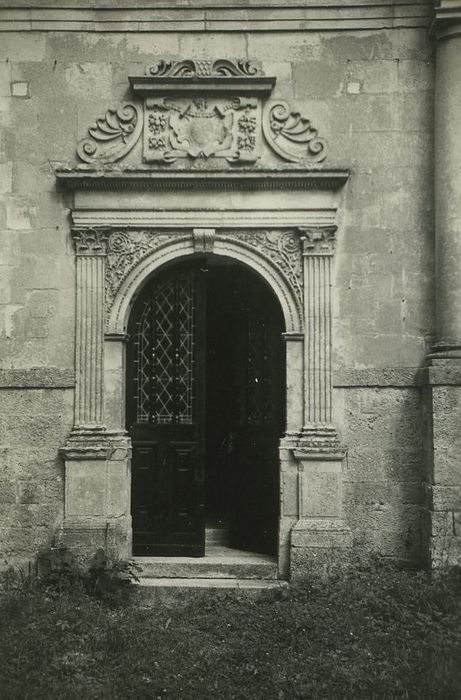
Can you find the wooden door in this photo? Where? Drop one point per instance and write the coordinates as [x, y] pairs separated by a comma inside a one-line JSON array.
[[258, 413], [165, 399]]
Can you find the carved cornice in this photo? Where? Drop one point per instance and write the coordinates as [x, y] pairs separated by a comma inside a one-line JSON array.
[[90, 242], [446, 21], [206, 16], [319, 240], [85, 177], [197, 77]]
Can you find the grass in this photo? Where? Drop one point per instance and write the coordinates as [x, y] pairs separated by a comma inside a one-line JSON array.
[[380, 633]]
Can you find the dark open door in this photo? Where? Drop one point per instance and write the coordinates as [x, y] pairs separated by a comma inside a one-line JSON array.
[[259, 413], [245, 405], [165, 398]]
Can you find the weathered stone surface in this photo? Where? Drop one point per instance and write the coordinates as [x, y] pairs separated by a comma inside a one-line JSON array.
[[370, 93]]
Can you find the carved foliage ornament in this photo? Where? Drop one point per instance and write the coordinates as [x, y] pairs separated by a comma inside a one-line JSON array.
[[112, 136], [318, 241], [211, 123], [202, 68], [291, 135], [89, 242], [125, 249]]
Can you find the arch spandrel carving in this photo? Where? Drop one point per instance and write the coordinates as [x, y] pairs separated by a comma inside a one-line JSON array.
[[132, 256]]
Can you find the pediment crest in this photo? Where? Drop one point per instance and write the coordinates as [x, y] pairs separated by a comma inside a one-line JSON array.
[[193, 111]]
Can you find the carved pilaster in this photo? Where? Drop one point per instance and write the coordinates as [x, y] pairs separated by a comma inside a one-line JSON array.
[[318, 249], [90, 248]]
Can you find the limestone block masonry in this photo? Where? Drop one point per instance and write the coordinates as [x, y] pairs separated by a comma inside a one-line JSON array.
[[317, 145]]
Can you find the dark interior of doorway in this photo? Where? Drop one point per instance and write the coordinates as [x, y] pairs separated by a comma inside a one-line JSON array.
[[244, 407]]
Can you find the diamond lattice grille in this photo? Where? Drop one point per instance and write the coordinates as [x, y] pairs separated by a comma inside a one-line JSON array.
[[164, 352]]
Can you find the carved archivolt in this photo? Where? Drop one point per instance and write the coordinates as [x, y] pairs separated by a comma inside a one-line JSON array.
[[193, 109], [127, 249]]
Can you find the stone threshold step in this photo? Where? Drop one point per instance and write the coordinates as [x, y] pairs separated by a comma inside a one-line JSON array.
[[233, 583], [206, 568]]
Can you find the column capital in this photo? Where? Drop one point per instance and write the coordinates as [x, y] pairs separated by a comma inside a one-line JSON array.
[[318, 240], [446, 21], [90, 241]]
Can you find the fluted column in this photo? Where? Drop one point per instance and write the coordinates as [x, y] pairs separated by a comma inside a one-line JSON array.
[[320, 538], [318, 250], [90, 248]]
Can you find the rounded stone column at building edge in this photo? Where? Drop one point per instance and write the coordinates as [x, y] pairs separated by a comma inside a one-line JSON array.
[[447, 127]]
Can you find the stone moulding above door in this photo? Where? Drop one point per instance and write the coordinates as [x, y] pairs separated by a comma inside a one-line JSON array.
[[188, 111]]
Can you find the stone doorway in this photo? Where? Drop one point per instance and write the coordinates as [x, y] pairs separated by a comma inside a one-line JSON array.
[[205, 410]]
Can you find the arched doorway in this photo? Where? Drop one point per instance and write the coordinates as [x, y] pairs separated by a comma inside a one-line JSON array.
[[205, 408]]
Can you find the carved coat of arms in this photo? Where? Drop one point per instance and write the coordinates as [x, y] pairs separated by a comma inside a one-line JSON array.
[[201, 128]]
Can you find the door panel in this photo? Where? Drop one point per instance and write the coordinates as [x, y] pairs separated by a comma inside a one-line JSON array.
[[165, 393], [258, 417]]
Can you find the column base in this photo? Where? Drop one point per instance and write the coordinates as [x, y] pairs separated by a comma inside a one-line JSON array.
[[319, 546], [444, 487], [320, 541], [97, 486]]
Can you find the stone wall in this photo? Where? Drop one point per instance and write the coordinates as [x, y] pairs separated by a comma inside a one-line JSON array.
[[33, 424], [369, 92], [385, 497]]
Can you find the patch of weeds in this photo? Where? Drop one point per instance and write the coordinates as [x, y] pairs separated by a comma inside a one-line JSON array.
[[373, 632]]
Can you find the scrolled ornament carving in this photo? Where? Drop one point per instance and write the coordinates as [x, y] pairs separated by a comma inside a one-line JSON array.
[[283, 249], [90, 242], [291, 135], [112, 136], [318, 240], [124, 251], [203, 69]]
